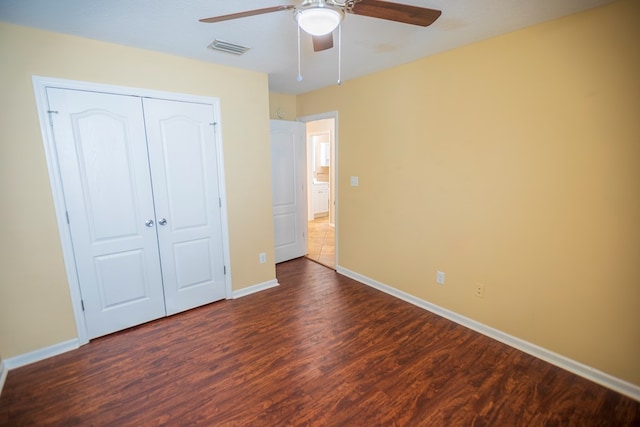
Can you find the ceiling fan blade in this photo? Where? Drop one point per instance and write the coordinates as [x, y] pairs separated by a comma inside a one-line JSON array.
[[248, 13], [404, 13], [321, 43]]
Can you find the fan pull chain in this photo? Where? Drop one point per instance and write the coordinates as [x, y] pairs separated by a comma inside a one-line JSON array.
[[339, 54], [299, 78]]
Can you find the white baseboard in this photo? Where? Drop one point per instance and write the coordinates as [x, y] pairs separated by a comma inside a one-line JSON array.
[[592, 374], [41, 354], [3, 375], [63, 347], [255, 288]]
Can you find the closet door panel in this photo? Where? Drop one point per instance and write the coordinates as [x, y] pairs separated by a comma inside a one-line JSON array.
[[102, 154], [184, 169]]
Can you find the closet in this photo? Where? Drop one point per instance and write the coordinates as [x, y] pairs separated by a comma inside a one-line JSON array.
[[143, 207]]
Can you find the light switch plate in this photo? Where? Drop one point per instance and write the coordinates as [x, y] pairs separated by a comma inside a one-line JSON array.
[[354, 181]]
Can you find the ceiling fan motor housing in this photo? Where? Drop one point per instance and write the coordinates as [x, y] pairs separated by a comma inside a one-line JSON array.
[[318, 17]]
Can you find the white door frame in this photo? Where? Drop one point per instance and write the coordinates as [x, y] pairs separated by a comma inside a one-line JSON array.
[[40, 85], [330, 115]]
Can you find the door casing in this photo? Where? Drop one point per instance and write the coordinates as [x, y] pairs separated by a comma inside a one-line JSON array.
[[40, 84], [334, 170]]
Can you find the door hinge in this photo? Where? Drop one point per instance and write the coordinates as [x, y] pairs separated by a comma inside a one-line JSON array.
[[224, 270], [66, 213], [219, 202], [50, 112], [82, 304]]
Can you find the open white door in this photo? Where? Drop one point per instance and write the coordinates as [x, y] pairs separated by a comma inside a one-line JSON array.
[[288, 160]]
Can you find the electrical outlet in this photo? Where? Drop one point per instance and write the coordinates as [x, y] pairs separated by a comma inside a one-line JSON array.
[[440, 277], [479, 290], [263, 257]]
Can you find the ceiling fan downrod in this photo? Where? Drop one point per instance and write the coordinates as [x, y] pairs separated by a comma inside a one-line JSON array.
[[339, 54], [299, 78]]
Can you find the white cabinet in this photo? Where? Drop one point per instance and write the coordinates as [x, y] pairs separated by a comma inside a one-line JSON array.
[[320, 200]]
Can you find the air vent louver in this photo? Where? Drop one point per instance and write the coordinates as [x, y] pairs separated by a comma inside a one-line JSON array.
[[224, 46]]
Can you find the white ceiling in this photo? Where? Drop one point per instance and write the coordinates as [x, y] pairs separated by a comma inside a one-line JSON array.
[[368, 44]]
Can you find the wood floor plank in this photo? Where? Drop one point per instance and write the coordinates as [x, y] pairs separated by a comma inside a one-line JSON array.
[[319, 350]]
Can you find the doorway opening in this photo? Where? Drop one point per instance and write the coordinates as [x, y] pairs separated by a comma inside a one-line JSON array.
[[321, 179]]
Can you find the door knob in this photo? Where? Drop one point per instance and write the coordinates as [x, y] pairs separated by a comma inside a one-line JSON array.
[[149, 223], [163, 221]]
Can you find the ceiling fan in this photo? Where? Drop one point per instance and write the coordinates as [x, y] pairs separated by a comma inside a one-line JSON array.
[[320, 17]]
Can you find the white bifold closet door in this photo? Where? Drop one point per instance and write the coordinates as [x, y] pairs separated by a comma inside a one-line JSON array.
[[140, 184]]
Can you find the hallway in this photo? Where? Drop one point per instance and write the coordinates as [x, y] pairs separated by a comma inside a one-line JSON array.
[[321, 245]]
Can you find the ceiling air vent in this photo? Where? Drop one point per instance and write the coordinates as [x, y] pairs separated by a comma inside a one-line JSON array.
[[224, 46]]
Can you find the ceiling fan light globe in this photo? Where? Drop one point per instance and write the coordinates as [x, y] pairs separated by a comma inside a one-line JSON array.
[[318, 21]]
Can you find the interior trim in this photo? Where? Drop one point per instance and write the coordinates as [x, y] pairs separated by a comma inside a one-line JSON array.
[[333, 186], [63, 347], [40, 85], [255, 288], [41, 354], [3, 376], [616, 384]]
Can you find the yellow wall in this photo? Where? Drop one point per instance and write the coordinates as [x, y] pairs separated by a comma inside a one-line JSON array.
[[281, 106], [35, 309], [513, 162]]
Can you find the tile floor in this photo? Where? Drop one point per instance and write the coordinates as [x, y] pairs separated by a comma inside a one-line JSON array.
[[321, 242]]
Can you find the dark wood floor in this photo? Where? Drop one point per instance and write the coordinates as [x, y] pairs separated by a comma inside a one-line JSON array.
[[319, 350]]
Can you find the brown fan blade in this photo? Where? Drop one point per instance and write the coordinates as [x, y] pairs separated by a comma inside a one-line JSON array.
[[321, 43], [396, 12], [248, 13]]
